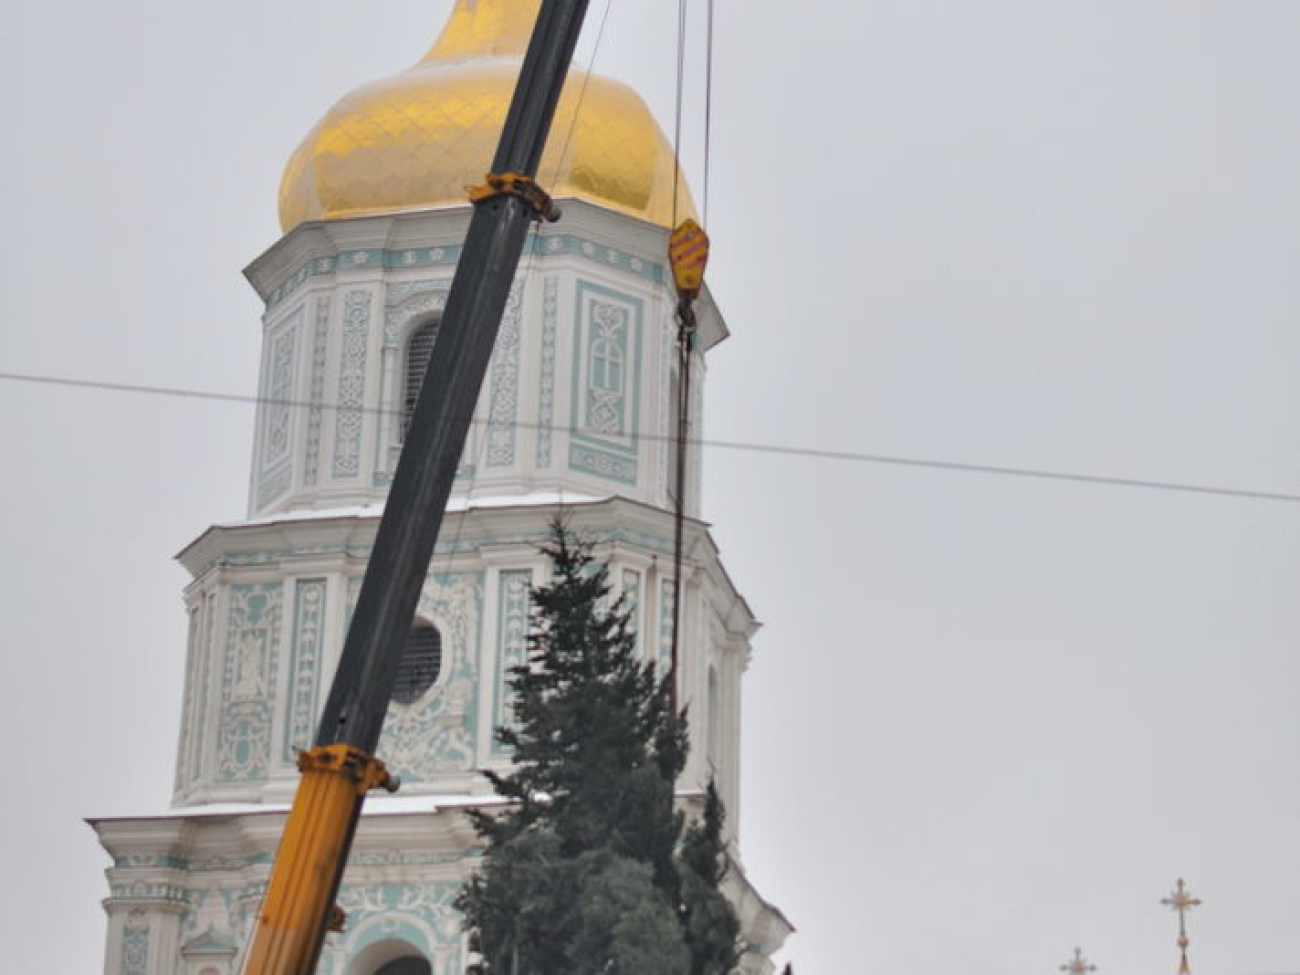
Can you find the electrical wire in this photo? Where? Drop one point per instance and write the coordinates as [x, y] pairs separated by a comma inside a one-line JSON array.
[[712, 443]]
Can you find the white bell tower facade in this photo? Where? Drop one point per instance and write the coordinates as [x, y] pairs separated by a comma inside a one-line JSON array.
[[576, 417]]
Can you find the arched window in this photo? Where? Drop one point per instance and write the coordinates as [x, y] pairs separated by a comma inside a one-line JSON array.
[[419, 349], [420, 665], [607, 366], [406, 966]]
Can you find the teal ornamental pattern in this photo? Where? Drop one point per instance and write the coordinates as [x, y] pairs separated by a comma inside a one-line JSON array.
[[276, 460], [422, 915], [304, 666], [248, 681], [546, 386], [135, 947], [514, 587], [438, 733], [503, 403], [606, 384], [352, 384], [316, 395]]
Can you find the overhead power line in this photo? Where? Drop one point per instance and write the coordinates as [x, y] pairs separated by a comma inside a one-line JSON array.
[[747, 446]]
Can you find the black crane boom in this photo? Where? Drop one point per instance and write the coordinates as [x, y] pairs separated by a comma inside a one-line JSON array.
[[341, 767]]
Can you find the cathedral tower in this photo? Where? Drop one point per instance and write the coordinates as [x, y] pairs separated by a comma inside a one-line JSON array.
[[576, 412]]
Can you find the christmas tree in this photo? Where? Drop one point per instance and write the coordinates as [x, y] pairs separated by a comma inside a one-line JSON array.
[[591, 867]]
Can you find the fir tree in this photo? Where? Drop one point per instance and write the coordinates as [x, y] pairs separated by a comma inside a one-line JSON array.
[[711, 929], [582, 874]]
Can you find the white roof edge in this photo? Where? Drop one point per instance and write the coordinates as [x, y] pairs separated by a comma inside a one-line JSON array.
[[535, 499], [375, 806]]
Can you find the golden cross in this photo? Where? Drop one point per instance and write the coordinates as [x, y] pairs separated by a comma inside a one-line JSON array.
[[1078, 965], [1182, 901]]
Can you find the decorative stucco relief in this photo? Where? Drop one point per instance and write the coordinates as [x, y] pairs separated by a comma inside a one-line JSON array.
[[304, 666], [504, 386], [248, 681], [607, 384], [352, 384], [421, 914], [316, 396], [276, 461], [513, 612], [436, 734], [546, 386], [135, 945], [667, 599]]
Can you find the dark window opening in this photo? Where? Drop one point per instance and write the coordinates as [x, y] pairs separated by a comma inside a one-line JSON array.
[[421, 662], [419, 350], [406, 966]]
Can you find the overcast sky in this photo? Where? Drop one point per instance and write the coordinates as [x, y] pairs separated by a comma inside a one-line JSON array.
[[989, 718]]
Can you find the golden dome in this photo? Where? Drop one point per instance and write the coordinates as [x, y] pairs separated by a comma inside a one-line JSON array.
[[420, 138]]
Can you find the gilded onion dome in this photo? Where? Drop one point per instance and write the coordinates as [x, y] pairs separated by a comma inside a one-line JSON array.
[[419, 138]]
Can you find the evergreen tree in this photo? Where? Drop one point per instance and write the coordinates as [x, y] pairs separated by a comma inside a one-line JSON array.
[[711, 929], [582, 874]]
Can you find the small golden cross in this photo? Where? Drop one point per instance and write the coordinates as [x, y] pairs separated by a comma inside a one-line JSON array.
[[1078, 965], [1182, 901]]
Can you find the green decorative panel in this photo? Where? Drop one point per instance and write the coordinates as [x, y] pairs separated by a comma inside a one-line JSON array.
[[606, 384], [327, 266], [306, 658], [546, 385], [248, 681], [316, 393], [513, 605], [275, 460], [604, 255], [350, 416], [503, 402], [446, 257], [135, 947], [667, 598]]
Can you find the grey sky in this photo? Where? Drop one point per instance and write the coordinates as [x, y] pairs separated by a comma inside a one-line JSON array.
[[988, 718]]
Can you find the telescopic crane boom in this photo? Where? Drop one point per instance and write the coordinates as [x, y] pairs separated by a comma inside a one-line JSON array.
[[341, 767]]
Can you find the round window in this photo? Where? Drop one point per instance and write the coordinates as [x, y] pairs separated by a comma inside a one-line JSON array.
[[420, 665], [406, 966]]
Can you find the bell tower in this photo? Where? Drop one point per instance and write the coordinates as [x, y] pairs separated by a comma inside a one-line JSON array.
[[575, 412]]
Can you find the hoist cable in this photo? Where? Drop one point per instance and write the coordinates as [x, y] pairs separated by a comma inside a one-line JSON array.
[[682, 431], [708, 107], [677, 107], [577, 108], [683, 434]]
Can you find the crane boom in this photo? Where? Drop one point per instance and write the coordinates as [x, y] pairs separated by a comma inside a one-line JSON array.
[[341, 767]]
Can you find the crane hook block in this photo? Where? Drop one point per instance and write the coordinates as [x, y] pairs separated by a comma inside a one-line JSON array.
[[688, 253], [516, 184]]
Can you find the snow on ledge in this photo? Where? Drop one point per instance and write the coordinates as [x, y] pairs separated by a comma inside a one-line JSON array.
[[427, 805], [455, 505], [374, 806]]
